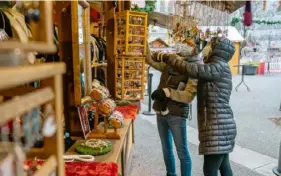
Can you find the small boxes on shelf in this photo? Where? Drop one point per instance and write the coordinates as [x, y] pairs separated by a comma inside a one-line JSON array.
[[129, 77], [131, 33]]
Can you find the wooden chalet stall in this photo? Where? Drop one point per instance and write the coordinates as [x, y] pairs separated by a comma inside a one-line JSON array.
[[83, 28]]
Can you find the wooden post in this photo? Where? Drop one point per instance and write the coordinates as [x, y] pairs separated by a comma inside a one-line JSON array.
[[110, 46], [87, 63]]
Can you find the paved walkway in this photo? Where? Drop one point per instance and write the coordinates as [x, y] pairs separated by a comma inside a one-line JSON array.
[[147, 153], [257, 141]]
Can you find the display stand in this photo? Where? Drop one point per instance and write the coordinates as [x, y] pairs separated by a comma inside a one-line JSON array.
[[103, 133], [122, 150], [51, 74], [131, 37], [129, 77], [131, 33]]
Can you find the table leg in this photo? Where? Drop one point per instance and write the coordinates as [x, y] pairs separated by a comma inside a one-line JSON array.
[[242, 81]]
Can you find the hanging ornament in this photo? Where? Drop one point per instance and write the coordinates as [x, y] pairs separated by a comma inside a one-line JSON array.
[[248, 14], [279, 7], [49, 126], [264, 5]]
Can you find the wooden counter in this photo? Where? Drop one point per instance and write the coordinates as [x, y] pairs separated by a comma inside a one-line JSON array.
[[122, 149]]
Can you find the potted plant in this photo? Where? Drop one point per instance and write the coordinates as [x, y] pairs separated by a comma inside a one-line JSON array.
[[251, 68]]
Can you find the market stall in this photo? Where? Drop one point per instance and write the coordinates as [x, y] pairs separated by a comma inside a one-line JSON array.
[[41, 115], [31, 92], [93, 114], [94, 104]]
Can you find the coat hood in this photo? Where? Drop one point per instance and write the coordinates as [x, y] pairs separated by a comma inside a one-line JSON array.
[[222, 50]]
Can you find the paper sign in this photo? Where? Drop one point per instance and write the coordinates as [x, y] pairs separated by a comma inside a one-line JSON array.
[[84, 120]]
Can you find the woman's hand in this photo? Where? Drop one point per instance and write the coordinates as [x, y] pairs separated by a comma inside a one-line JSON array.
[[159, 56]]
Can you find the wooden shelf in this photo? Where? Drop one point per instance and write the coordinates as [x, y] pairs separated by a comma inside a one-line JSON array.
[[24, 103], [127, 80], [99, 65], [31, 46], [133, 35], [13, 76], [137, 25], [137, 45]]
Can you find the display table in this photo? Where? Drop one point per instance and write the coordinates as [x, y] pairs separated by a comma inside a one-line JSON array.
[[122, 149], [242, 78]]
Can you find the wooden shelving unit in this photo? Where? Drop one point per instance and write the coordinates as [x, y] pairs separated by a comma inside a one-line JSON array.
[[131, 33], [51, 92], [131, 37], [129, 77]]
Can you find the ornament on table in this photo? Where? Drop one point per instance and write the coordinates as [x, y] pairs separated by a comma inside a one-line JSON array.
[[94, 147], [116, 119], [99, 93], [106, 106]]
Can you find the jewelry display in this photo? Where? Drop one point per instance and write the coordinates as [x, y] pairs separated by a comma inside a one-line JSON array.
[[131, 42], [94, 147], [129, 77]]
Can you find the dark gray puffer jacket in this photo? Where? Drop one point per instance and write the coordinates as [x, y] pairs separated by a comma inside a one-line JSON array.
[[216, 125]]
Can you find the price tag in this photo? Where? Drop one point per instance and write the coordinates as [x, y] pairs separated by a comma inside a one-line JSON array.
[[84, 120]]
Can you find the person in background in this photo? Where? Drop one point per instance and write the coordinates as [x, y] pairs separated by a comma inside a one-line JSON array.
[[216, 124], [175, 92]]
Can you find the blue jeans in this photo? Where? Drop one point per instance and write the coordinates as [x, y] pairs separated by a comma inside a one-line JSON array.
[[170, 127]]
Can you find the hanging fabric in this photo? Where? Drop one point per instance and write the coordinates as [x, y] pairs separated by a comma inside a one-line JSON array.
[[94, 50], [264, 5], [5, 27], [248, 14], [19, 28]]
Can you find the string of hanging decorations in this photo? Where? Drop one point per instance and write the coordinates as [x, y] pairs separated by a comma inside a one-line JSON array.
[[236, 20], [150, 6], [185, 24]]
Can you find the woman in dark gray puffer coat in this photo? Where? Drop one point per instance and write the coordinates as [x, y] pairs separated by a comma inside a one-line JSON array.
[[216, 124]]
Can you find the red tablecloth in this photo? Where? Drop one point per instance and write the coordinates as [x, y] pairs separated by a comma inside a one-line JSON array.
[[91, 169], [86, 169], [129, 111]]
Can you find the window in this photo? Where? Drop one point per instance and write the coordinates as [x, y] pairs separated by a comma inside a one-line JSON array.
[[162, 8], [171, 6]]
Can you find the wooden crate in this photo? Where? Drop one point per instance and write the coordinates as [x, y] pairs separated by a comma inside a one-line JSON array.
[[131, 33], [129, 77]]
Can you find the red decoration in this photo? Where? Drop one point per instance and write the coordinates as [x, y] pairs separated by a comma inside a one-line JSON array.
[[91, 169], [94, 15], [84, 168], [248, 18], [129, 111]]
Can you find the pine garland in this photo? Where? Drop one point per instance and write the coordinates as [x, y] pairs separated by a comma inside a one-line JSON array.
[[236, 20], [149, 6]]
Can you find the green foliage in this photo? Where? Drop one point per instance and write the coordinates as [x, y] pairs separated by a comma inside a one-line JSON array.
[[254, 64], [149, 6], [236, 20]]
